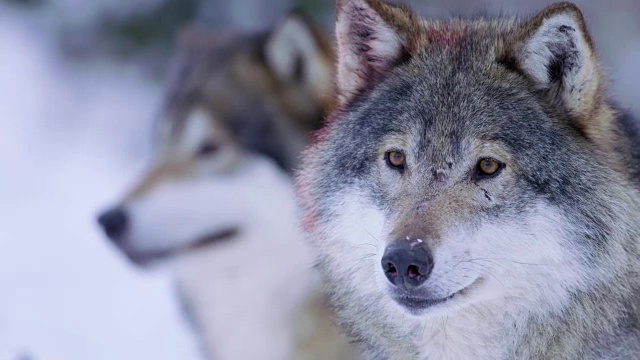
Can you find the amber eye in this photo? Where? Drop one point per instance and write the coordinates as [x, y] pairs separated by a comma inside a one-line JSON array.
[[396, 159], [489, 166]]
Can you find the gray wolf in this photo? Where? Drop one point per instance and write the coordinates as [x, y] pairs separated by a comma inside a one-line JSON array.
[[475, 195], [218, 202]]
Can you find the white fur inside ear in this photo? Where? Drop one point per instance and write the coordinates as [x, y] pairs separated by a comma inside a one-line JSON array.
[[559, 38], [197, 128], [559, 48], [293, 41], [365, 44]]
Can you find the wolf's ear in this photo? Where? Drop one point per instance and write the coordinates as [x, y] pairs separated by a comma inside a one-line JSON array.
[[372, 38], [296, 51], [557, 54]]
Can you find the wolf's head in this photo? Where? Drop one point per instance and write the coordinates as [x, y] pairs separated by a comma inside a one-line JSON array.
[[232, 124], [469, 162]]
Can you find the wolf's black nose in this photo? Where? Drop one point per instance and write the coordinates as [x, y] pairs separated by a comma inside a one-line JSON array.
[[407, 262], [114, 222]]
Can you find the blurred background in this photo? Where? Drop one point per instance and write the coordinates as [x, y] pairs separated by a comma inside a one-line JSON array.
[[80, 82]]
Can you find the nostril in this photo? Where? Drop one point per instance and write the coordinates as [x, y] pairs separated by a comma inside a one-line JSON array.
[[413, 271], [114, 223], [391, 270]]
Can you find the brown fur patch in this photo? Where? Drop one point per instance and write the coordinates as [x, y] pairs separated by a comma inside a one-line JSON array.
[[444, 36], [157, 176]]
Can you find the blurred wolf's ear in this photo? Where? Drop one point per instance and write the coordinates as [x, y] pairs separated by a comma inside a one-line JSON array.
[[296, 51], [556, 52], [372, 38]]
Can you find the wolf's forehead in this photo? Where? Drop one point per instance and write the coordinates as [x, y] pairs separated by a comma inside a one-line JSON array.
[[444, 112], [465, 42], [215, 48], [451, 33], [200, 60], [202, 78]]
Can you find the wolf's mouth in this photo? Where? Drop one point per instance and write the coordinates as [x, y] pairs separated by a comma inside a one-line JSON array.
[[417, 305], [144, 258], [216, 237]]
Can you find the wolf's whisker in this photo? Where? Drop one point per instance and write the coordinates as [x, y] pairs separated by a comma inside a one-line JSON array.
[[370, 234], [483, 270], [509, 260]]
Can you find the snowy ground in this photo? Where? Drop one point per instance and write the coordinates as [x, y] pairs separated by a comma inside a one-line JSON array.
[[71, 138]]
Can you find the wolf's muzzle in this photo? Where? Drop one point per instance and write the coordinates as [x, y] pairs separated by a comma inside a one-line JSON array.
[[407, 263]]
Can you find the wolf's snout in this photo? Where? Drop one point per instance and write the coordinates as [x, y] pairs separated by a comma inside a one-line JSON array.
[[114, 222], [407, 262]]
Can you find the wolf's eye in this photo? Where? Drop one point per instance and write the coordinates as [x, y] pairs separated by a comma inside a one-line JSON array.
[[396, 159], [206, 149], [489, 167]]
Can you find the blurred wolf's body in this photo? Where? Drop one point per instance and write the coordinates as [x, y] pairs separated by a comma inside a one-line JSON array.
[[476, 193], [219, 199]]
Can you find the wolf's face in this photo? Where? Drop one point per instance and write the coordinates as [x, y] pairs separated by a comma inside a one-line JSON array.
[[443, 200], [232, 124], [466, 165]]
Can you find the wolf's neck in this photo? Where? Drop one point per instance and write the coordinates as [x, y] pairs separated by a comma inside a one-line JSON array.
[[242, 296], [241, 293], [500, 331]]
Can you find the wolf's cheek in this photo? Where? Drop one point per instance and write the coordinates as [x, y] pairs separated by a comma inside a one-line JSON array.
[[351, 241], [179, 214], [518, 258]]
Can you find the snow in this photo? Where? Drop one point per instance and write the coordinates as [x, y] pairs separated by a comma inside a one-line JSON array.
[[72, 137]]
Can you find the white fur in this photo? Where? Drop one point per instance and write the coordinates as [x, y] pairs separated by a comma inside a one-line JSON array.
[[198, 127], [243, 292], [511, 262], [177, 212]]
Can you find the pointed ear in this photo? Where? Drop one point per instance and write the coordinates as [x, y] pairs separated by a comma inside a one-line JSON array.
[[372, 38], [296, 51], [557, 54]]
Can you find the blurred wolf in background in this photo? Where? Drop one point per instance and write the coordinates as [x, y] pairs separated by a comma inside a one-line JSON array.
[[476, 193], [219, 198]]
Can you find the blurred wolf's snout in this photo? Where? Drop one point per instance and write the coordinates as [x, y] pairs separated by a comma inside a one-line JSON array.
[[407, 263], [114, 222]]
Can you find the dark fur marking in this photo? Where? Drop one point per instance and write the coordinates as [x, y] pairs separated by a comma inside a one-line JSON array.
[[555, 69], [298, 69], [487, 195], [566, 56], [508, 62]]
